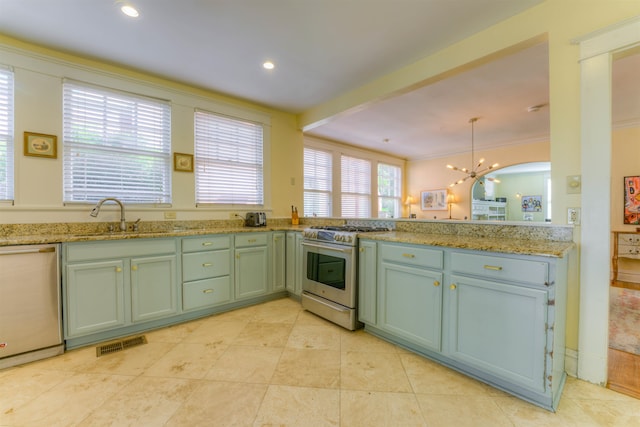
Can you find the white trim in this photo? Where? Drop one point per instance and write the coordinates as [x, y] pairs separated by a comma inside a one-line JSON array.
[[596, 55], [571, 362]]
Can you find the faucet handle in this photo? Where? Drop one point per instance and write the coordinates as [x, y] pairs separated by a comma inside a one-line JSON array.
[[134, 226]]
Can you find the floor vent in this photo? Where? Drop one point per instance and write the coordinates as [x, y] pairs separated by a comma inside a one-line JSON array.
[[115, 346]]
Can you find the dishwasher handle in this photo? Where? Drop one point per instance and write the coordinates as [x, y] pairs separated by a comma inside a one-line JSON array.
[[29, 251]]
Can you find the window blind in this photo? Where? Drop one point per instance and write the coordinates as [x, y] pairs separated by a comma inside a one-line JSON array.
[[356, 187], [228, 160], [389, 191], [116, 144], [317, 182], [6, 134]]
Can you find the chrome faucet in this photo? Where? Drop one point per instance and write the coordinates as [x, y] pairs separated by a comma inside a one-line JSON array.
[[96, 210]]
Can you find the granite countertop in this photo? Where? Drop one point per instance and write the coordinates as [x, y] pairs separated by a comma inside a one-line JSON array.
[[510, 246]]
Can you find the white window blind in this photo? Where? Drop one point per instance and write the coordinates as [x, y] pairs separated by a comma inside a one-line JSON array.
[[6, 134], [116, 144], [389, 191], [317, 182], [228, 160], [356, 187]]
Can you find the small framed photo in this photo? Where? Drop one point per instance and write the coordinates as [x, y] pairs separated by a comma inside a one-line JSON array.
[[182, 162], [434, 200], [40, 145]]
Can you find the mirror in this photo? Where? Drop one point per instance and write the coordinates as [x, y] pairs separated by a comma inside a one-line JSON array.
[[523, 194]]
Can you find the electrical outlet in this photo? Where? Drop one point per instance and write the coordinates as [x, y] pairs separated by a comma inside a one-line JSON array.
[[573, 216], [235, 215]]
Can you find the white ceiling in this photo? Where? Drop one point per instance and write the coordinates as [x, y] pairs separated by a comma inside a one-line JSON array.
[[321, 48]]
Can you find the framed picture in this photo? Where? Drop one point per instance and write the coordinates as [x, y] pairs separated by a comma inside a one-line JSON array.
[[531, 203], [183, 162], [40, 145], [632, 199], [434, 200]]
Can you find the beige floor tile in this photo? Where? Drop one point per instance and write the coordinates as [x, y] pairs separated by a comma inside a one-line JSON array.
[[68, 403], [76, 360], [20, 385], [299, 406], [524, 414], [370, 409], [308, 368], [362, 341], [576, 389], [216, 332], [319, 337], [174, 334], [132, 361], [279, 311], [373, 372], [612, 413], [462, 411], [264, 334], [306, 318], [246, 364], [428, 377], [220, 404], [241, 315], [186, 360], [143, 402]]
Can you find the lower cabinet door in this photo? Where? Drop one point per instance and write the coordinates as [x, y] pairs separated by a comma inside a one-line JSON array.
[[153, 287], [251, 272], [410, 304], [499, 328], [94, 297]]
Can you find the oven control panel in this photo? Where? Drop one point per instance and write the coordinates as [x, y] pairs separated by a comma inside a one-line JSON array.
[[345, 238]]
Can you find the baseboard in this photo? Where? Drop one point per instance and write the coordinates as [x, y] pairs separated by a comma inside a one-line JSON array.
[[571, 362]]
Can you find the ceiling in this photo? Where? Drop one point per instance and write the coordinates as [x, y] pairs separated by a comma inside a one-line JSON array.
[[321, 49]]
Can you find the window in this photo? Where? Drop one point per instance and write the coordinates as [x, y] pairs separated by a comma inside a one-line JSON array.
[[229, 164], [356, 187], [389, 191], [116, 144], [6, 134], [317, 182]]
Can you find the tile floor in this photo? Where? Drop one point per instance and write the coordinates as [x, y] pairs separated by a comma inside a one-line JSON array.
[[274, 364]]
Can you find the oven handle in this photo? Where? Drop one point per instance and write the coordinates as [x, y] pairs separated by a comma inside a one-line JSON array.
[[331, 248]]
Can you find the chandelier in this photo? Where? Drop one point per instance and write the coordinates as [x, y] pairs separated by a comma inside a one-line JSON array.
[[475, 172]]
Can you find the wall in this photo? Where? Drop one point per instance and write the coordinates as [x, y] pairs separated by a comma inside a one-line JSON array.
[[433, 174], [38, 108], [525, 184]]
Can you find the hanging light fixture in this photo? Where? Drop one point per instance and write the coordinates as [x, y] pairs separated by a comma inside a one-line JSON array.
[[473, 173]]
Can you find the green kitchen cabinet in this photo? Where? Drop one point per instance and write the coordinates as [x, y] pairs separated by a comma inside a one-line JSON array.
[[294, 263], [153, 287], [278, 260], [251, 265], [367, 281], [95, 297]]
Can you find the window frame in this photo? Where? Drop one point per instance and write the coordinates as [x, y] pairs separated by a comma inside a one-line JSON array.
[[7, 149]]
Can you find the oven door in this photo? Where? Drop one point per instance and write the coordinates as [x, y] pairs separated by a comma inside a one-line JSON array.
[[329, 271]]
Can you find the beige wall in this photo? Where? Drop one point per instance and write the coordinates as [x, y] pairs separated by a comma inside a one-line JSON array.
[[38, 108]]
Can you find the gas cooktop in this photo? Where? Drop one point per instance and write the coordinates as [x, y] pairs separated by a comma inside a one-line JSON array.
[[350, 228]]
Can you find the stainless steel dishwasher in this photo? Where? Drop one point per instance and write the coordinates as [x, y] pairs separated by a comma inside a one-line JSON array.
[[30, 309]]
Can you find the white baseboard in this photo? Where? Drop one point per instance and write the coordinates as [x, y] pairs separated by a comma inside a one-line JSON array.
[[571, 362]]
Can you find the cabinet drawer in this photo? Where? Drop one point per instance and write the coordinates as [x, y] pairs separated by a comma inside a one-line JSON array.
[[412, 255], [629, 251], [203, 293], [118, 249], [201, 265], [251, 239], [629, 239], [505, 269], [206, 243]]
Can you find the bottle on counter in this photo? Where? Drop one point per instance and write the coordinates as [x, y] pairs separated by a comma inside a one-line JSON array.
[[295, 219]]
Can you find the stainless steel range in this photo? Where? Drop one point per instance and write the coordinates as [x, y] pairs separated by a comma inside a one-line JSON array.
[[329, 284]]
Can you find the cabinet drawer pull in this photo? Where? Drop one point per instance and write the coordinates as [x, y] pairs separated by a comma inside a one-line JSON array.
[[493, 267], [134, 268], [207, 291], [118, 269], [252, 240], [408, 255], [436, 283], [207, 243], [361, 249], [207, 264], [452, 287]]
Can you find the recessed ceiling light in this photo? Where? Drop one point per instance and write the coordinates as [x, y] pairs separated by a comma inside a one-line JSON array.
[[129, 10], [268, 65]]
